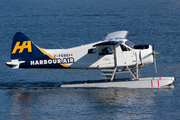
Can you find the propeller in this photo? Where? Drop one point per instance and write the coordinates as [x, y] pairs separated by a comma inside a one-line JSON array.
[[154, 53]]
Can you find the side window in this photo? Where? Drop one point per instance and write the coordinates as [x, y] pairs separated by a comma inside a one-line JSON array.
[[93, 50], [106, 51]]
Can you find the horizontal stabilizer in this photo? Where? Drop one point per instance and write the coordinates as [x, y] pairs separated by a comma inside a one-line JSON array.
[[14, 63]]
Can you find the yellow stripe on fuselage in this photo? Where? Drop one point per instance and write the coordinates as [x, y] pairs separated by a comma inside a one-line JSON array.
[[46, 53], [65, 65]]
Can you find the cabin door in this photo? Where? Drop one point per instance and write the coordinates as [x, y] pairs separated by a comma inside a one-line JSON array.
[[106, 57]]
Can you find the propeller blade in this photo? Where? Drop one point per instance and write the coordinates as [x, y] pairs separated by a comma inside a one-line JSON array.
[[153, 45], [155, 67], [154, 53]]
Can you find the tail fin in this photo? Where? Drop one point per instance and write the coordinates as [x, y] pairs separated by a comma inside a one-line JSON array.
[[23, 48]]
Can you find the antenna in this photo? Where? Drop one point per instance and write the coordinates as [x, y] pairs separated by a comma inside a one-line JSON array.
[[105, 36], [60, 46]]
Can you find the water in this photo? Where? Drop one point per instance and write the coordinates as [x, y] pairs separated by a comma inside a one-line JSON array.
[[34, 93]]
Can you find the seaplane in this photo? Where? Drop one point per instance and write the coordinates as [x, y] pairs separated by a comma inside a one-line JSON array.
[[112, 55]]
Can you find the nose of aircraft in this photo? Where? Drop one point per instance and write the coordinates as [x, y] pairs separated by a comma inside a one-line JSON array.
[[147, 56]]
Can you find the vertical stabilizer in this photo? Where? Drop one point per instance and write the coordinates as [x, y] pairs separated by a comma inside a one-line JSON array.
[[23, 48]]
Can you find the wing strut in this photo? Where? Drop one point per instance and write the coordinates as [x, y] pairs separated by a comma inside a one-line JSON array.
[[112, 78], [137, 69], [115, 63]]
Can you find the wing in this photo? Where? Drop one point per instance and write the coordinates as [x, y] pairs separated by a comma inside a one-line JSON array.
[[106, 43], [115, 35]]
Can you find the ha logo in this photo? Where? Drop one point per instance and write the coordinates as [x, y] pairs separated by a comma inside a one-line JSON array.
[[25, 45]]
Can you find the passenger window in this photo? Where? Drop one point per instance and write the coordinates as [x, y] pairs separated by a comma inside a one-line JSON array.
[[106, 51], [90, 51]]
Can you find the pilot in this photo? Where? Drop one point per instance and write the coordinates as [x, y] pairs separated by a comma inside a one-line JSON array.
[[105, 51]]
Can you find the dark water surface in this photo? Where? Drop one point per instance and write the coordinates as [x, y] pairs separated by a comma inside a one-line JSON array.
[[34, 93]]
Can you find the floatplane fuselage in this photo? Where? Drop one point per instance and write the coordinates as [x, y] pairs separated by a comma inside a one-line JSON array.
[[115, 53]]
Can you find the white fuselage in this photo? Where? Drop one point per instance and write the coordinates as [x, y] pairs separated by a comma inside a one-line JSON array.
[[81, 59]]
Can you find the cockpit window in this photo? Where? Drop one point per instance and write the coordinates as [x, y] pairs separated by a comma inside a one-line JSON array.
[[130, 44], [106, 51], [124, 48]]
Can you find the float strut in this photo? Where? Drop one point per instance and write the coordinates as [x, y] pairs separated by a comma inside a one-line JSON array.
[[113, 73]]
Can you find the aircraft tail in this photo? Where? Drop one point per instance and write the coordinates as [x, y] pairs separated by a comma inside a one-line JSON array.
[[22, 49]]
